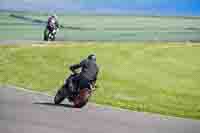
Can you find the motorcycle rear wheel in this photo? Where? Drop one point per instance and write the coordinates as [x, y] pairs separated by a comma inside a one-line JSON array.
[[81, 104], [51, 37], [82, 99]]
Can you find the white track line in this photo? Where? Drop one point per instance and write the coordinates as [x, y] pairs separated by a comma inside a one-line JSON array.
[[48, 95], [27, 90], [97, 105]]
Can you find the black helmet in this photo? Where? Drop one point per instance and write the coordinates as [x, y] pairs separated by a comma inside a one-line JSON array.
[[55, 16], [92, 57]]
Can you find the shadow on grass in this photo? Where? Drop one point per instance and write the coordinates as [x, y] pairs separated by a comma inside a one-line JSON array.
[[57, 105], [28, 19], [41, 22]]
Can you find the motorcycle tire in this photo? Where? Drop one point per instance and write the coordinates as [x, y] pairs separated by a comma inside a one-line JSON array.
[[59, 97], [51, 36], [81, 104], [82, 99]]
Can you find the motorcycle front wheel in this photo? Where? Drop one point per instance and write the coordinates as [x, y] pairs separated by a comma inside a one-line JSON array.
[[60, 96]]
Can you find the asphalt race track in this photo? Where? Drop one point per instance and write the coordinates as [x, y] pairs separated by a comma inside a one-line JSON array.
[[26, 112]]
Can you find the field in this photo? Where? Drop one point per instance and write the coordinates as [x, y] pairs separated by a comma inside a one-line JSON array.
[[101, 28], [158, 77]]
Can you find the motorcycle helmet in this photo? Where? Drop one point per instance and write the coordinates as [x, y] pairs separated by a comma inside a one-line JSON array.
[[55, 16], [92, 57]]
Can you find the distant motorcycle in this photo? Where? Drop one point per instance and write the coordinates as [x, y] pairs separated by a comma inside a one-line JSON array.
[[50, 31], [78, 99]]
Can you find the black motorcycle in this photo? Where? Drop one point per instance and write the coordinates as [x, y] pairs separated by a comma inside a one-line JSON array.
[[78, 99]]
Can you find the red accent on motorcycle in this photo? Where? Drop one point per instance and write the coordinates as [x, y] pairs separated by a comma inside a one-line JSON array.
[[83, 97]]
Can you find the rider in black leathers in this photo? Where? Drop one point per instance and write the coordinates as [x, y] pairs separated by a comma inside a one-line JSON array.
[[87, 76]]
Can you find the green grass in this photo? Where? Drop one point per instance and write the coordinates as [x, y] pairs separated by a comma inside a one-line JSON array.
[[99, 28], [159, 78]]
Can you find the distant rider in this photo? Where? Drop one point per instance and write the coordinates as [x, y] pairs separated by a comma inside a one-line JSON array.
[[52, 25], [87, 76]]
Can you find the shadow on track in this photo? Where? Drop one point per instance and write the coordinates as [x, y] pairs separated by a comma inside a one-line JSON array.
[[52, 104]]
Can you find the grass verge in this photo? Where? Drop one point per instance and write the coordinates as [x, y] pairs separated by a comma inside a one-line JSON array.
[[158, 78]]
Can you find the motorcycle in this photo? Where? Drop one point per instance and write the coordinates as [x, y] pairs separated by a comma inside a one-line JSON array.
[[50, 31], [79, 99]]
